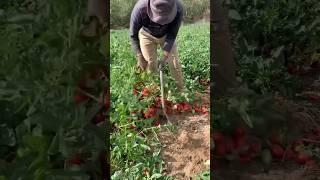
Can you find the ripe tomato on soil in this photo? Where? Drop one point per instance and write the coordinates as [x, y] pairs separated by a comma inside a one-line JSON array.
[[275, 139], [240, 143], [239, 132], [229, 145], [178, 107], [135, 91], [289, 154], [150, 113], [313, 98], [218, 137], [220, 149], [168, 110], [145, 92], [186, 106], [302, 158], [277, 151], [156, 123], [75, 160]]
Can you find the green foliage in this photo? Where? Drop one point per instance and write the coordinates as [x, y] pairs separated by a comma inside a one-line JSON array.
[[203, 176], [43, 57], [268, 34]]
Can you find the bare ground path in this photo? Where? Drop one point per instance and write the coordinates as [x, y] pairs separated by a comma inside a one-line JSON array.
[[186, 150]]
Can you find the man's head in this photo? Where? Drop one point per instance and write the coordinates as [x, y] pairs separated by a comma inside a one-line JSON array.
[[162, 11]]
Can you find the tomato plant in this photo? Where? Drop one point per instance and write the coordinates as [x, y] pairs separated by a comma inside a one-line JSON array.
[[49, 101]]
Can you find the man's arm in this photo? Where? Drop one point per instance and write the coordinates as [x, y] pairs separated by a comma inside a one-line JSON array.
[[173, 31], [135, 26]]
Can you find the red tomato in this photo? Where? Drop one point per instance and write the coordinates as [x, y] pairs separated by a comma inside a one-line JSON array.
[[255, 147], [313, 98], [277, 151], [178, 107], [157, 123], [217, 137], [187, 107], [157, 104], [77, 160], [220, 150], [239, 132], [135, 91], [167, 103], [229, 145], [302, 158], [168, 110], [239, 142], [151, 112], [197, 109], [79, 97], [204, 110], [275, 139], [145, 92], [290, 154]]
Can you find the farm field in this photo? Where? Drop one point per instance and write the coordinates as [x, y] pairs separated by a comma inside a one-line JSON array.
[[142, 145]]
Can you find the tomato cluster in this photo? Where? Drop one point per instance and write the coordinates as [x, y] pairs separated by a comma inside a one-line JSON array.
[[85, 86], [155, 107], [242, 147], [237, 146]]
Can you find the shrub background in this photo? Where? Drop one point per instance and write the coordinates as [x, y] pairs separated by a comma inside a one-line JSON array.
[[120, 11]]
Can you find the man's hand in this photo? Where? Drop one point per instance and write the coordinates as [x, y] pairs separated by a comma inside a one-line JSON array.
[[165, 55], [141, 62]]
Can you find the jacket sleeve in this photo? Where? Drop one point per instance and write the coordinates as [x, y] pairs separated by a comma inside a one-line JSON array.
[[135, 26], [173, 30]]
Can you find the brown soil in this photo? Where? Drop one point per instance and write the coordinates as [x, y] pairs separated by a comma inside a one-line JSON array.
[[186, 150]]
